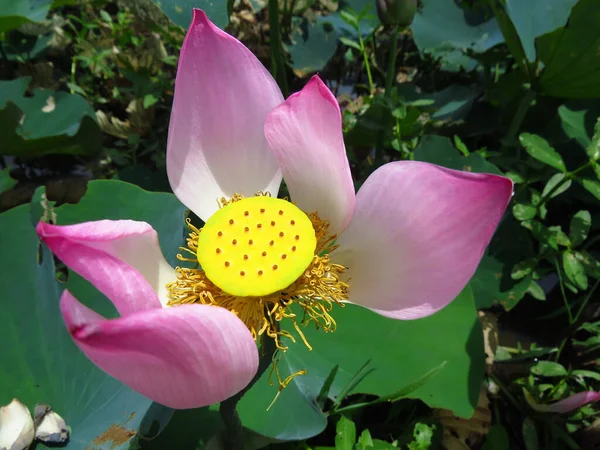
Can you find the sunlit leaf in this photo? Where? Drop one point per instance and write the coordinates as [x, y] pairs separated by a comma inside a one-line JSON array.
[[538, 148]]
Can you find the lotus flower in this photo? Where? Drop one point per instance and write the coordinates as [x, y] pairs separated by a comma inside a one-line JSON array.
[[404, 246]]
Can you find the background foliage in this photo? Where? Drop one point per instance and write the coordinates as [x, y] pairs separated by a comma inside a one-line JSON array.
[[498, 86]]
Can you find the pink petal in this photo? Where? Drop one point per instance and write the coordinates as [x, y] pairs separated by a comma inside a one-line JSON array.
[[182, 357], [216, 144], [121, 258], [567, 405], [417, 236], [305, 133]]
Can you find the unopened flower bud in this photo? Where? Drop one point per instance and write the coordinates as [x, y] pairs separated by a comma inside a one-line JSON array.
[[396, 12], [16, 426]]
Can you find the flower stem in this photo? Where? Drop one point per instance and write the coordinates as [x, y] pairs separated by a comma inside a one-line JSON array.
[[519, 116], [391, 72], [234, 440], [277, 57], [365, 55]]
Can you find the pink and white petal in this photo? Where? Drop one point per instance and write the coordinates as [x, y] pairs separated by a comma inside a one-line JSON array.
[[216, 145], [305, 133], [417, 236], [121, 258], [569, 404], [182, 357]]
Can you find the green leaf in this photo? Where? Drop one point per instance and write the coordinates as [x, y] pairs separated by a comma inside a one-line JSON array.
[[586, 374], [536, 291], [312, 47], [105, 16], [569, 54], [14, 13], [536, 17], [445, 30], [574, 270], [382, 445], [592, 186], [425, 102], [452, 335], [187, 429], [593, 150], [364, 440], [559, 236], [496, 439], [345, 434], [541, 233], [350, 43], [460, 146], [439, 150], [180, 11], [590, 264], [149, 100], [492, 282], [538, 148], [46, 123], [530, 436], [423, 434], [348, 24], [400, 112], [556, 185], [324, 392], [6, 182], [574, 124], [580, 227], [511, 35], [549, 369], [522, 269], [524, 212], [348, 17]]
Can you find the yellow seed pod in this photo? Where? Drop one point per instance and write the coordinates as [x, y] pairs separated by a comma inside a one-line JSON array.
[[256, 246]]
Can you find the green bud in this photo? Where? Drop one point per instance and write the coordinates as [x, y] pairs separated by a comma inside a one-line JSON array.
[[396, 12]]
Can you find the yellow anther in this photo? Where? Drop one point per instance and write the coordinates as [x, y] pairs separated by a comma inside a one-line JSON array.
[[241, 269]]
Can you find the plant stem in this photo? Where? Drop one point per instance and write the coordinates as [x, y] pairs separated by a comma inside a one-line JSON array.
[[2, 51], [235, 432], [519, 116], [391, 71], [505, 390], [564, 294], [568, 177], [277, 58], [363, 50], [576, 318], [585, 301]]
